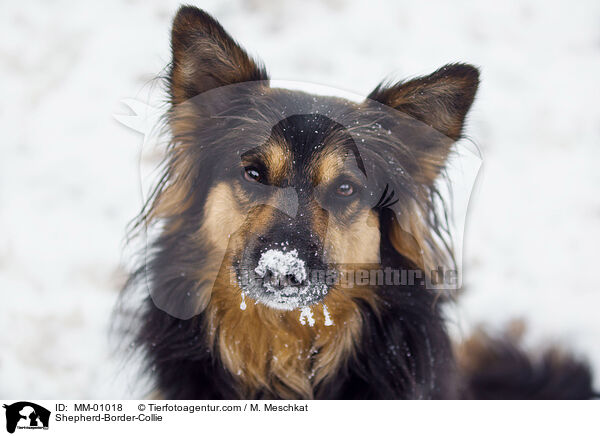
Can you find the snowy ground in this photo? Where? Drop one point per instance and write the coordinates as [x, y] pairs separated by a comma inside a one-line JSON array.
[[69, 173]]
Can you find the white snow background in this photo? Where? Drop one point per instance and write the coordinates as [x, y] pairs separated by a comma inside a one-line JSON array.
[[69, 172]]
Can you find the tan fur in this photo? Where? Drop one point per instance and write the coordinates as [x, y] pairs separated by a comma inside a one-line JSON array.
[[278, 161], [357, 243], [328, 165], [223, 216]]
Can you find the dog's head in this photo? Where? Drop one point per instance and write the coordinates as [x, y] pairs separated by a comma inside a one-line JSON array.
[[278, 190]]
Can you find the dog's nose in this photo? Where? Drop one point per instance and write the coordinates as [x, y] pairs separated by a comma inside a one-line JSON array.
[[281, 282], [282, 271]]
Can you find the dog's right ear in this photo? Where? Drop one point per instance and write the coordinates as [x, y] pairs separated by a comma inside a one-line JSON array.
[[206, 57]]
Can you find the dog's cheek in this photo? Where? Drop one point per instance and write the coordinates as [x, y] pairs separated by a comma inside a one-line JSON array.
[[357, 243], [223, 217]]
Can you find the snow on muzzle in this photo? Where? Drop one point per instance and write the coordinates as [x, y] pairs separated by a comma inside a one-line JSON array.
[[286, 282]]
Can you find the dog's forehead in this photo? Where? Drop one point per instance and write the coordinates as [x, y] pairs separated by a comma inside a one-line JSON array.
[[311, 147]]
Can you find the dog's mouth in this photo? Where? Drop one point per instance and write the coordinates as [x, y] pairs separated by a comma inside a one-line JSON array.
[[281, 280]]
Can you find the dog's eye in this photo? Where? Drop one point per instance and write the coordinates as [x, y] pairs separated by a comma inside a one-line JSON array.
[[345, 190], [252, 174]]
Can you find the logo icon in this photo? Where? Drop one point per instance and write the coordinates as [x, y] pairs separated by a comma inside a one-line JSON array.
[[26, 415]]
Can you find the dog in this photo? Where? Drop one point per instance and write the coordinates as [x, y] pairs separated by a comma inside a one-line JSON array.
[[272, 205]]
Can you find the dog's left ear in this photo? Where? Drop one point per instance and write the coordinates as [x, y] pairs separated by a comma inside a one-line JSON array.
[[440, 100], [437, 105]]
